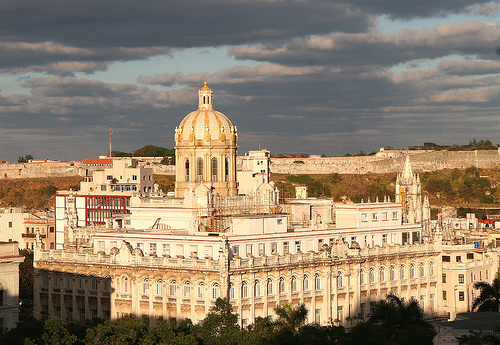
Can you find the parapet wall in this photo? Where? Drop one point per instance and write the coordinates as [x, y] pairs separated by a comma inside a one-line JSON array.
[[427, 161]]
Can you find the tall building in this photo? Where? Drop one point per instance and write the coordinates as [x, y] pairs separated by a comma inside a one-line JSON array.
[[173, 256], [9, 284]]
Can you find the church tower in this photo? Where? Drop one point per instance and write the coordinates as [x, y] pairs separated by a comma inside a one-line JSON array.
[[409, 194], [205, 150]]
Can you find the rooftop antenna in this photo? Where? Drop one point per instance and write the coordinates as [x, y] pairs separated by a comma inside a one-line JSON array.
[[110, 138]]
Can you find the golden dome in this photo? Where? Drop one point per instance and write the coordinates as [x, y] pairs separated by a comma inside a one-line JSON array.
[[205, 125]]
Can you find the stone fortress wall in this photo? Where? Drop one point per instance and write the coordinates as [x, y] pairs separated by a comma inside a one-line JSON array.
[[426, 161]]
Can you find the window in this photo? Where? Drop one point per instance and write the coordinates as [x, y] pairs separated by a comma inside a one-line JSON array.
[[384, 238], [186, 167], [244, 290], [364, 217], [306, 283], [145, 287], [297, 246], [93, 283], [186, 292], [279, 221], [382, 274], [461, 296], [372, 275], [109, 177], [269, 287], [199, 290], [402, 274], [172, 288], [385, 216], [215, 291], [444, 295], [444, 277], [199, 170], [166, 249], [412, 271], [158, 288], [125, 285], [470, 256], [236, 250], [274, 248], [152, 249], [392, 273], [458, 258], [293, 284], [446, 258], [256, 290], [394, 215], [134, 177], [374, 216], [103, 188], [10, 224], [262, 249], [340, 280], [249, 249], [362, 277], [422, 269], [282, 287], [460, 278], [214, 169], [431, 269], [286, 248], [231, 291], [317, 282]]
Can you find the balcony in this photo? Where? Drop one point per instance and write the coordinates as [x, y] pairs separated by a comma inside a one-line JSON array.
[[33, 236]]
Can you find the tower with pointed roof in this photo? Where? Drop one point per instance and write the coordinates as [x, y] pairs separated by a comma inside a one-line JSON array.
[[409, 194], [205, 150]]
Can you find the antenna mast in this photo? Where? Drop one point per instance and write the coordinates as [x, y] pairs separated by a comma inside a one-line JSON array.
[[110, 137]]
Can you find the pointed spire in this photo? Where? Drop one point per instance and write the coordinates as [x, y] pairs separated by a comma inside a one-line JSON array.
[[407, 171]]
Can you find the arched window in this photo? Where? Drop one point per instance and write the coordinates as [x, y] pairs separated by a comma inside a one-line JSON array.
[[199, 170], [317, 282], [145, 286], [431, 269], [392, 273], [293, 285], [422, 269], [402, 272], [158, 287], [340, 280], [125, 284], [186, 165], [215, 291], [214, 169], [256, 290], [172, 288], [186, 292], [306, 283], [231, 291], [226, 169], [362, 276], [282, 286], [270, 287], [382, 274], [200, 289], [244, 290], [412, 271], [372, 275]]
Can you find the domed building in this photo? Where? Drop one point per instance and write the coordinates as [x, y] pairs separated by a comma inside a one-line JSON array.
[[205, 150]]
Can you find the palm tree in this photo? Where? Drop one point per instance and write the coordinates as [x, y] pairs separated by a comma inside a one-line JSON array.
[[394, 314], [291, 317], [489, 298]]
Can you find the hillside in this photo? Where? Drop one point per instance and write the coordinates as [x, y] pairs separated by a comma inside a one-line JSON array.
[[473, 188]]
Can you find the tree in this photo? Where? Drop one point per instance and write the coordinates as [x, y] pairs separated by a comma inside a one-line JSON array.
[[24, 159], [291, 317], [54, 333], [220, 326], [128, 331], [396, 315], [489, 297]]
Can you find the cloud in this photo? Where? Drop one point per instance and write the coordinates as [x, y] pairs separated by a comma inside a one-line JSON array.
[[379, 49]]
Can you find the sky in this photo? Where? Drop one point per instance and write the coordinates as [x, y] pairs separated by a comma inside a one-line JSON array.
[[320, 77]]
